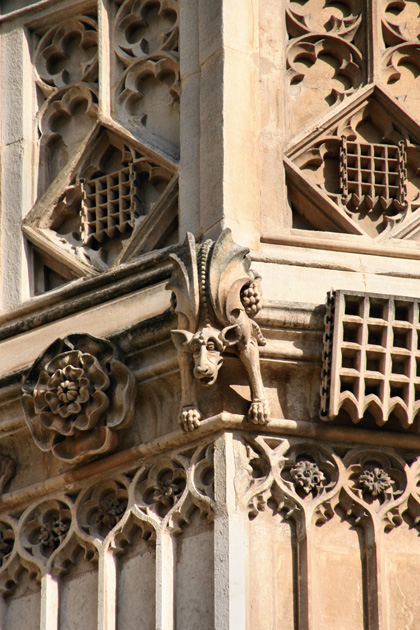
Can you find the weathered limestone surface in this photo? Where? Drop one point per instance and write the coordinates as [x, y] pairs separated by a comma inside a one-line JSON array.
[[209, 315]]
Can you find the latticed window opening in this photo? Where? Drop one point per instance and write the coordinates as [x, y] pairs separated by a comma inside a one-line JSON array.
[[373, 174], [372, 357], [108, 206]]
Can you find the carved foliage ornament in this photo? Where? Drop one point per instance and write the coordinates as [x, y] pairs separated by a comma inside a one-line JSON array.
[[216, 295], [173, 489], [76, 397], [102, 507], [162, 495], [401, 58], [291, 478]]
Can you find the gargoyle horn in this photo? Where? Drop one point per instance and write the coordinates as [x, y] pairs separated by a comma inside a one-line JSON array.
[[184, 283]]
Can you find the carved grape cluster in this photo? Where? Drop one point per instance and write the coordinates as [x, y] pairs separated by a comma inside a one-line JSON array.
[[251, 299]]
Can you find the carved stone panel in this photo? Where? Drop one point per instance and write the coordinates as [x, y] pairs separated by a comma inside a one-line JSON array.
[[363, 173], [324, 56]]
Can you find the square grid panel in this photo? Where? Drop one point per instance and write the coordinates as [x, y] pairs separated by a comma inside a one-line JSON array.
[[108, 206], [371, 357], [370, 172]]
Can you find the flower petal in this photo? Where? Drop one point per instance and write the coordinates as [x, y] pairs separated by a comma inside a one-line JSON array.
[[62, 426], [52, 400], [96, 375], [85, 445], [84, 393], [63, 359], [42, 436], [73, 374], [69, 409], [56, 379], [39, 392], [93, 412]]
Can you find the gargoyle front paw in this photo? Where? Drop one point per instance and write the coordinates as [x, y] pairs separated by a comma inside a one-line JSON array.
[[189, 418], [259, 412]]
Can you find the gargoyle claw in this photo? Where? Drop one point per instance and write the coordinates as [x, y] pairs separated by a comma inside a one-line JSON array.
[[189, 418], [259, 412]]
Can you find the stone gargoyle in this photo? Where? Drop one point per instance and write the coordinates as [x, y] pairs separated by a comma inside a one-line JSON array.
[[215, 295]]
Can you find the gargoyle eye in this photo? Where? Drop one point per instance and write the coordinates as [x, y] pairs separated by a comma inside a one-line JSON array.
[[211, 346]]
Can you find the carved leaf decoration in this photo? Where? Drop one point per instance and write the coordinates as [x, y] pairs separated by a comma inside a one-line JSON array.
[[376, 487], [229, 272], [184, 283]]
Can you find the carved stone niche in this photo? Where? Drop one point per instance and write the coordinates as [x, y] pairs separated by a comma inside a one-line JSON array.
[[216, 296], [76, 397]]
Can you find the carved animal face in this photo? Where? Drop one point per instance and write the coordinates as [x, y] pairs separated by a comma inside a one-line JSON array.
[[206, 347]]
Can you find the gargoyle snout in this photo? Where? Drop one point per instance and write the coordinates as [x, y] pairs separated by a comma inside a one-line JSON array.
[[202, 365], [201, 368]]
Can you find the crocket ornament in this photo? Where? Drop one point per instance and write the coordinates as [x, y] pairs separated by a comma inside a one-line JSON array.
[[216, 295]]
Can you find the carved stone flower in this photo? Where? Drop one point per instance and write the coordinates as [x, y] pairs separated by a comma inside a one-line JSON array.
[[161, 486], [307, 475], [110, 510], [76, 396], [46, 528], [375, 481], [53, 532], [167, 491], [102, 507]]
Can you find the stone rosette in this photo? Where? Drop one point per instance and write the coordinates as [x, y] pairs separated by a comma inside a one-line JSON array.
[[77, 396]]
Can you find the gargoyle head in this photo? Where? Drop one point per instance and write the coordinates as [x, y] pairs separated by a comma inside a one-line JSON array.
[[206, 347]]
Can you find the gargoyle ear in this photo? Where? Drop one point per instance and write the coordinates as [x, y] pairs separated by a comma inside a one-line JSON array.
[[180, 338], [230, 335]]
